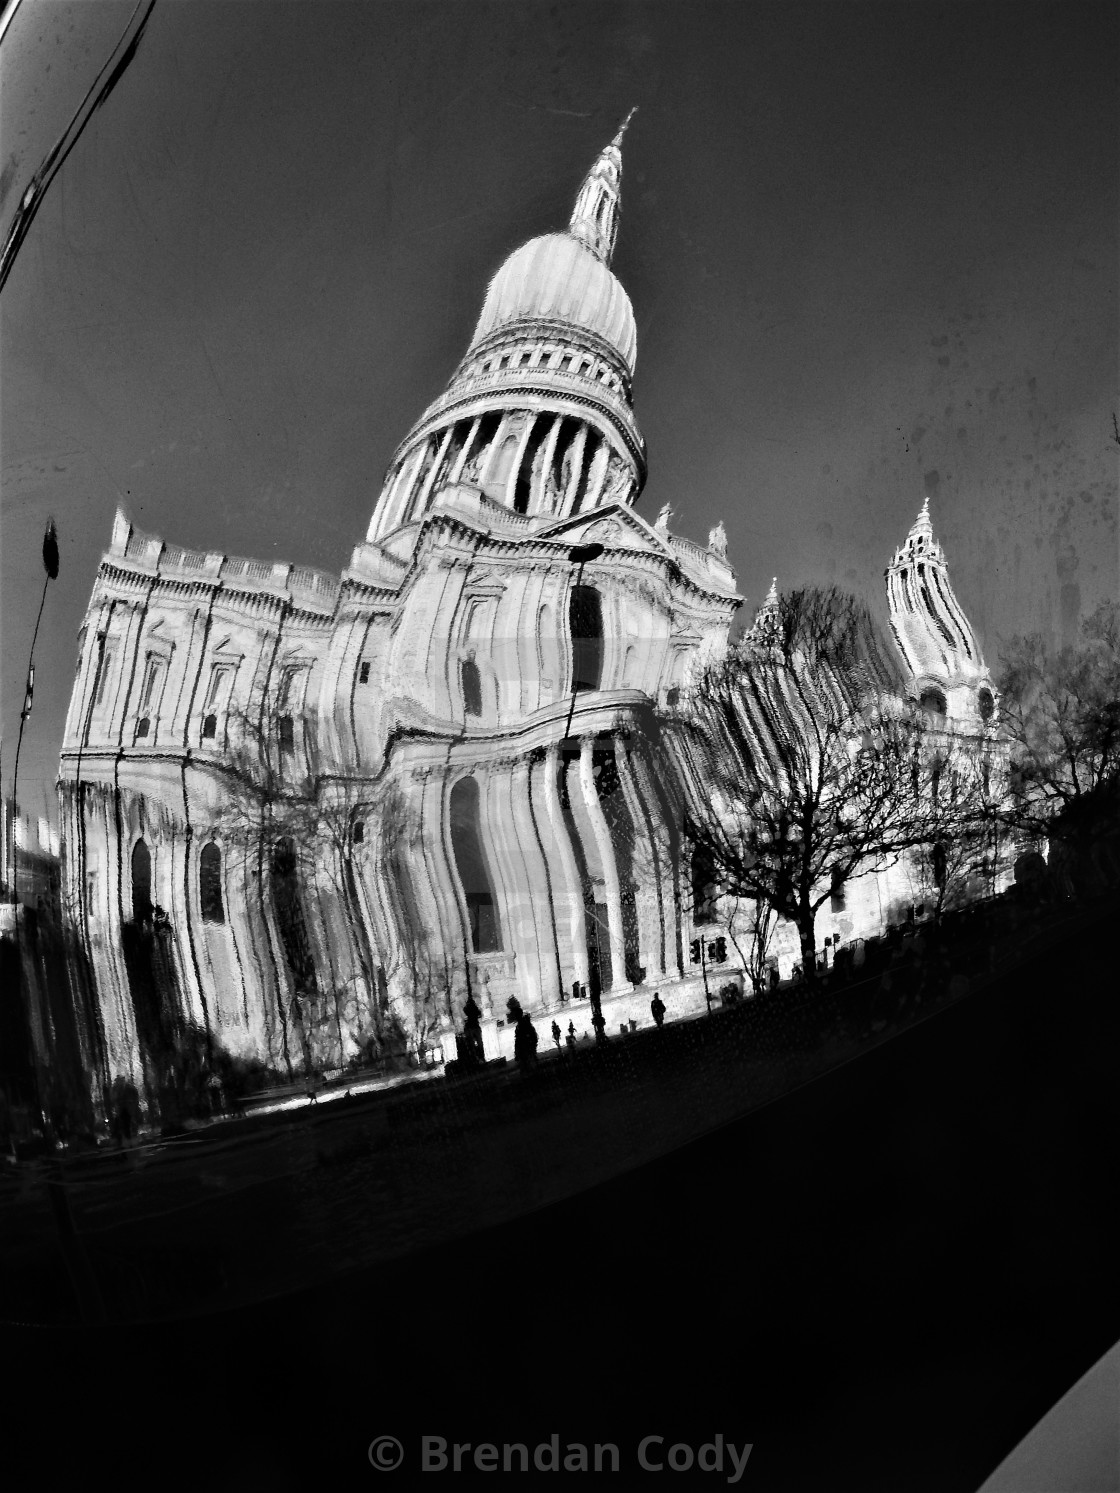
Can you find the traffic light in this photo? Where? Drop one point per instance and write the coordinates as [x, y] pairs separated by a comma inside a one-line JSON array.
[[694, 950], [717, 950]]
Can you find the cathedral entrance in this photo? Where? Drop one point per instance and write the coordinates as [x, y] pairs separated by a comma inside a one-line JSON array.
[[600, 969]]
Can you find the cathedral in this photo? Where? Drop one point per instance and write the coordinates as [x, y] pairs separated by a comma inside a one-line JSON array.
[[303, 811]]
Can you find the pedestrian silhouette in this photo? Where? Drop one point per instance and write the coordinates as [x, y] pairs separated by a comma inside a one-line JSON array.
[[571, 1037], [598, 1020], [525, 1042], [657, 1006], [471, 1049], [556, 1035]]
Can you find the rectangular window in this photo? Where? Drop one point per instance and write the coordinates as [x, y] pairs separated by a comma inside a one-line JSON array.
[[288, 701], [217, 680], [152, 674], [215, 702], [103, 675], [149, 695], [363, 673]]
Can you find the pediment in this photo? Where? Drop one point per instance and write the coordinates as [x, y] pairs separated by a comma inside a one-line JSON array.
[[614, 527]]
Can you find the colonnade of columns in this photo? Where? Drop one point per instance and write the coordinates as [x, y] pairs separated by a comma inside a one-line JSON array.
[[582, 874], [559, 465], [579, 850]]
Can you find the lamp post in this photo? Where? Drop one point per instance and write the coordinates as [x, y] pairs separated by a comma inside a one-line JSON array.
[[50, 565]]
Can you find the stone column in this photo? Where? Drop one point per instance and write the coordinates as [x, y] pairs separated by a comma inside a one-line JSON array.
[[537, 499], [434, 886], [598, 473], [539, 881], [395, 510], [496, 444], [519, 877], [519, 457], [121, 1039], [667, 842], [578, 447], [569, 888], [433, 472], [619, 983], [461, 460], [649, 891]]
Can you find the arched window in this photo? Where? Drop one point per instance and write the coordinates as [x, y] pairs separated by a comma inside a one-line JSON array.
[[141, 883], [285, 704], [221, 676], [149, 694], [289, 917], [585, 618], [987, 705], [932, 702], [546, 645], [471, 681], [210, 884], [470, 861]]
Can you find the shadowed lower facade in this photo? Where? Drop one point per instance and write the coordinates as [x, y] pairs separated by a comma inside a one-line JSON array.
[[306, 812]]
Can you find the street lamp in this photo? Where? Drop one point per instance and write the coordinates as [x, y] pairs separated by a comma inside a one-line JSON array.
[[50, 565]]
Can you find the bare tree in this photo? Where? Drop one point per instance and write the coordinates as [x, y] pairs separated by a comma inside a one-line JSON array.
[[300, 833], [759, 929], [810, 766], [1060, 711], [968, 841]]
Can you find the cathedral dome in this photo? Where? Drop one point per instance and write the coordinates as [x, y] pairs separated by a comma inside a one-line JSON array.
[[557, 277]]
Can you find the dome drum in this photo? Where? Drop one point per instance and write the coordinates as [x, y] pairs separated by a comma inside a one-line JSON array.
[[547, 459], [542, 346]]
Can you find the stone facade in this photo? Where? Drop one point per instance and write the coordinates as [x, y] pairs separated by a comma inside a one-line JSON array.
[[305, 810]]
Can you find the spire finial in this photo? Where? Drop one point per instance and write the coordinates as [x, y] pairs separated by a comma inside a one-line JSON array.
[[922, 524], [617, 141], [594, 218]]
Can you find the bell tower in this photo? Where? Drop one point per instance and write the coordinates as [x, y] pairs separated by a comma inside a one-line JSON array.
[[930, 627]]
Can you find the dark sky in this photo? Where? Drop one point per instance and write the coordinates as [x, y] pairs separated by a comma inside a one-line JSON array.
[[871, 250]]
